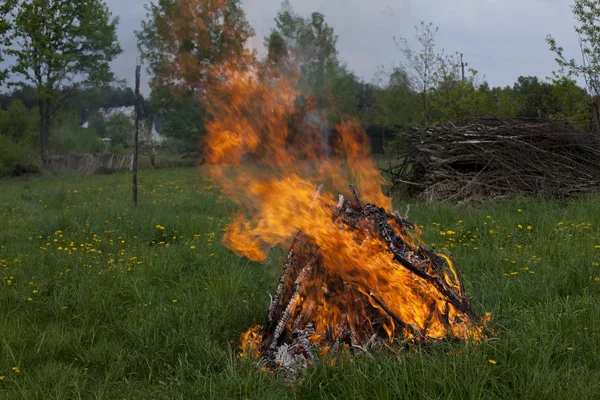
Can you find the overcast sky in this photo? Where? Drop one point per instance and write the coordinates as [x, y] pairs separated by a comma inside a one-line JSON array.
[[502, 39]]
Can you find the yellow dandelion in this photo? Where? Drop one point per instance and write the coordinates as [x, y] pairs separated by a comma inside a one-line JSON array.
[[493, 362]]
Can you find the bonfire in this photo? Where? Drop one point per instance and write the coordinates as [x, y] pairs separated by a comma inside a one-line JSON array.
[[357, 275]]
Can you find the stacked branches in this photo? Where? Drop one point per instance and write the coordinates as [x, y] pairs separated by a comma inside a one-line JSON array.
[[315, 310], [477, 159]]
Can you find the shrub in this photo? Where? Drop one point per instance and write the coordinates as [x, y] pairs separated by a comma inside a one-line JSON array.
[[16, 158], [118, 150], [70, 138]]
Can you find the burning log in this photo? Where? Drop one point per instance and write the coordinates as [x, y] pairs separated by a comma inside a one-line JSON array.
[[413, 295]]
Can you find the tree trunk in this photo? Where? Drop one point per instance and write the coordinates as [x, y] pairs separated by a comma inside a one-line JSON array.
[[44, 107], [596, 114]]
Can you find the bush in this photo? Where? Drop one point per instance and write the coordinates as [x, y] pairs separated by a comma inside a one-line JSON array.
[[119, 129], [17, 158], [70, 138], [118, 150]]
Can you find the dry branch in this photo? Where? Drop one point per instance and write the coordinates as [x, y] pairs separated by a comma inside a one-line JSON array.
[[300, 323], [482, 158]]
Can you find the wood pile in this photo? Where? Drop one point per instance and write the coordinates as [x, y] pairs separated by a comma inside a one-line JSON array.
[[417, 298], [477, 159]]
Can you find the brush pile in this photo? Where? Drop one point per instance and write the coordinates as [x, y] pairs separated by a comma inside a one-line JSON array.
[[477, 159], [412, 295]]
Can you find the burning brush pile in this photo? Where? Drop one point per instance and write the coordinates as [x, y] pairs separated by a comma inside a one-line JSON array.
[[407, 293], [357, 275]]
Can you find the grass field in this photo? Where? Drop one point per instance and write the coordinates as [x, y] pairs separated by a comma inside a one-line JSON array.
[[101, 301]]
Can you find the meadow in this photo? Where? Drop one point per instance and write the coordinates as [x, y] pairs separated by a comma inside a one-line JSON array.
[[99, 300]]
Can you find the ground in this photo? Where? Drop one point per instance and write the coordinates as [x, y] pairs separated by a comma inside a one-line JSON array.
[[101, 300]]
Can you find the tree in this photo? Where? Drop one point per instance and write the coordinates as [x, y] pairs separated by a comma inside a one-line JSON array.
[[308, 45], [397, 104], [587, 13], [119, 129], [182, 41], [423, 66], [71, 138], [61, 45], [6, 9], [454, 97], [25, 94], [533, 98], [569, 102]]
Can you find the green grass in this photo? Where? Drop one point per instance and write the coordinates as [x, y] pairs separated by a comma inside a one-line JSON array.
[[98, 301]]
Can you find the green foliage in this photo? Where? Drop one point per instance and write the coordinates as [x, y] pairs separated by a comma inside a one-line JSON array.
[[571, 103], [309, 44], [70, 138], [397, 105], [6, 8], [25, 94], [345, 89], [126, 316], [62, 44], [181, 41], [19, 124], [532, 97], [118, 150], [587, 14], [423, 66], [119, 129], [182, 118], [98, 124], [16, 157], [18, 127]]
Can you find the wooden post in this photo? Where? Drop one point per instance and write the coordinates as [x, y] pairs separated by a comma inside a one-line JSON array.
[[137, 131]]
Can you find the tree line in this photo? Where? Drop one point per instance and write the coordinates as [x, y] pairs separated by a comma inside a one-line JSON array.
[[55, 58]]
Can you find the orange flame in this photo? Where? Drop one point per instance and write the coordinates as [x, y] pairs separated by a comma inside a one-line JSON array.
[[271, 169]]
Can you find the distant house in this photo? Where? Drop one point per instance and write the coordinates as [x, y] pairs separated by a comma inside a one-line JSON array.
[[149, 130]]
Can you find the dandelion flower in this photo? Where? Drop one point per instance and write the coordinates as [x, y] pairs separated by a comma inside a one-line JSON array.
[[493, 362]]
